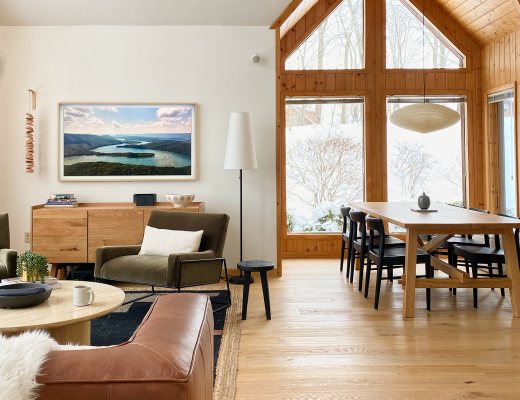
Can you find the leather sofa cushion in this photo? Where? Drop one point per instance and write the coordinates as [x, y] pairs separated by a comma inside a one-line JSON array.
[[170, 356], [148, 270]]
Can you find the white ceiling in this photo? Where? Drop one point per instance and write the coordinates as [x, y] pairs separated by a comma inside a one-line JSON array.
[[140, 12]]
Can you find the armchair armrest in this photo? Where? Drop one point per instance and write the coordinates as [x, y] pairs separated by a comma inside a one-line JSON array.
[[8, 258], [107, 253], [191, 276]]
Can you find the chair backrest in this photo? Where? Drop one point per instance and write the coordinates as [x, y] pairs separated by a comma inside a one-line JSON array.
[[358, 224], [214, 226], [345, 213], [5, 240], [376, 227]]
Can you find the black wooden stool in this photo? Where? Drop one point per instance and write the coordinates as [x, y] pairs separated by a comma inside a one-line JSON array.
[[255, 266]]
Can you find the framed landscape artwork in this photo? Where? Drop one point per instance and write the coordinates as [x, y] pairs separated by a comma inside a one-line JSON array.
[[127, 142]]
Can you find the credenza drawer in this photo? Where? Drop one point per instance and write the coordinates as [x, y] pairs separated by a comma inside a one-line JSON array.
[[60, 235]]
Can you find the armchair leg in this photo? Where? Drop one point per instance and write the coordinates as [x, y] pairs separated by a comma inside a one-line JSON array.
[[224, 264], [227, 284], [179, 284]]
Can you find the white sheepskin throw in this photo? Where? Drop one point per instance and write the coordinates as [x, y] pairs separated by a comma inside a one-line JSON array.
[[21, 358]]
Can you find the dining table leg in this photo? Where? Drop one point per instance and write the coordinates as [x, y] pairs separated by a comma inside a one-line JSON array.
[[410, 273], [513, 272]]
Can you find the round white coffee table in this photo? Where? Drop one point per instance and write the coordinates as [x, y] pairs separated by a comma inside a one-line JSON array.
[[66, 323]]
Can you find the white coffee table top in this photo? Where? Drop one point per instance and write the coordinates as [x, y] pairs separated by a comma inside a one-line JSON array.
[[58, 309]]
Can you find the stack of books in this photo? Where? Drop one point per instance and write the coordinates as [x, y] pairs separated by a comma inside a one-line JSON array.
[[62, 200]]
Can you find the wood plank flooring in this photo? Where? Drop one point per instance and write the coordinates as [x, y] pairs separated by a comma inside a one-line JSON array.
[[325, 341]]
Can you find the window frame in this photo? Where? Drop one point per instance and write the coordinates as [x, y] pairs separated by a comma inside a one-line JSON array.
[[324, 100], [437, 98], [433, 30], [363, 66]]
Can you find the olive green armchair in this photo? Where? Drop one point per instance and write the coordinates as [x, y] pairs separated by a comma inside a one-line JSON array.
[[123, 264], [7, 255]]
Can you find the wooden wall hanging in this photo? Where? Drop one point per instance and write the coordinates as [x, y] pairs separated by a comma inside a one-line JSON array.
[[29, 134]]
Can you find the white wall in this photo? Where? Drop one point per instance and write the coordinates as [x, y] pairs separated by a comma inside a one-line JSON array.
[[207, 65]]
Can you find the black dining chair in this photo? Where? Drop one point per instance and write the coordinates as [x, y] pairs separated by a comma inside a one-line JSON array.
[[359, 239], [346, 243], [465, 240], [484, 258], [389, 258], [446, 248]]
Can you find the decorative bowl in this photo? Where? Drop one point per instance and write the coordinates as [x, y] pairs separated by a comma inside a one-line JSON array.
[[180, 200], [22, 301]]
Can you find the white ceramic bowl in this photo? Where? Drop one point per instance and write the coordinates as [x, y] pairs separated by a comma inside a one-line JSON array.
[[180, 200]]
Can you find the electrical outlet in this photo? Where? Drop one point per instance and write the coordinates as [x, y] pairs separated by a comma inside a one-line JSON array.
[[27, 237]]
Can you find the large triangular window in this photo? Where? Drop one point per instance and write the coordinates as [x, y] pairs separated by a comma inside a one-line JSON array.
[[404, 40], [337, 43]]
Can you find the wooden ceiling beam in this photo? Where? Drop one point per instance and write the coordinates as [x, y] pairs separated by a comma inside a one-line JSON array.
[[285, 14]]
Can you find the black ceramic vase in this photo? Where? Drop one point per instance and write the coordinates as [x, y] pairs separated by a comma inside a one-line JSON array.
[[423, 202]]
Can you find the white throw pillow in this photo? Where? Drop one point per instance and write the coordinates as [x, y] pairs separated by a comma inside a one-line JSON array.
[[163, 242]]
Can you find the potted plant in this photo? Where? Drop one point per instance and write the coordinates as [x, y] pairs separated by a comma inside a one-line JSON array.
[[31, 266]]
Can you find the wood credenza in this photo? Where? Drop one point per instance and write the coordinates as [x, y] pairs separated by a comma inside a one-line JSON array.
[[72, 235]]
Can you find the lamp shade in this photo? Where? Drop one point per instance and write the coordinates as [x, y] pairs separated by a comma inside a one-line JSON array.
[[424, 117], [240, 148]]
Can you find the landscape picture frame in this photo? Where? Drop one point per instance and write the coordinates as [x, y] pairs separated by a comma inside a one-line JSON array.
[[109, 141]]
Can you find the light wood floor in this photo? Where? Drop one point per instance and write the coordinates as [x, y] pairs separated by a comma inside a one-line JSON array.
[[325, 341]]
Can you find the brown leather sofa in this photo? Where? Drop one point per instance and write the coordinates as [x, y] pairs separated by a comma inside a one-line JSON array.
[[170, 356]]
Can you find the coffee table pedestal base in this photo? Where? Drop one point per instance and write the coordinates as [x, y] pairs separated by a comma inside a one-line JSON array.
[[78, 334]]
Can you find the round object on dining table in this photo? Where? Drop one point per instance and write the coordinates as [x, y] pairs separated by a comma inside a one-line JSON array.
[[423, 201]]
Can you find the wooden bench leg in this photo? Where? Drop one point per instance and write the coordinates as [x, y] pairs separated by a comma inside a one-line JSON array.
[[265, 289], [245, 293]]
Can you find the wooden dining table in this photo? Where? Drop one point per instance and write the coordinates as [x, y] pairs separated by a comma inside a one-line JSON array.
[[442, 222]]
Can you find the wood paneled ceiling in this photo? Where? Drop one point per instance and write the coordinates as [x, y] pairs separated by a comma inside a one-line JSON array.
[[485, 20]]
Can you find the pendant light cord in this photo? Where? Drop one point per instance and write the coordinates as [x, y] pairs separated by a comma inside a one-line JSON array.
[[423, 55]]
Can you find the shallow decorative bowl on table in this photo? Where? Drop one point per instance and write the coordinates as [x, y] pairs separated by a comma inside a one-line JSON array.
[[23, 301], [180, 200]]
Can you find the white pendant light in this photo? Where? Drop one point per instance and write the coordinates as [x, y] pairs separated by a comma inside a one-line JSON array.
[[424, 117]]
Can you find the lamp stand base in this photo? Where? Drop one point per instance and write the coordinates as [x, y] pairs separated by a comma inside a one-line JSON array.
[[239, 279]]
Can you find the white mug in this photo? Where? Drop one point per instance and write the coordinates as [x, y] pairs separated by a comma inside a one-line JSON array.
[[82, 296]]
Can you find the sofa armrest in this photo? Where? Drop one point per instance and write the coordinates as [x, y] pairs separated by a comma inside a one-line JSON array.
[[170, 356], [8, 258], [107, 253], [174, 266]]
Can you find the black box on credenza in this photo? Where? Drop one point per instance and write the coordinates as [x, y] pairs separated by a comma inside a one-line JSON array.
[[145, 199]]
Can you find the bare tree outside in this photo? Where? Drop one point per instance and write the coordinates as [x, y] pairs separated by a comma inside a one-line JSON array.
[[325, 168], [411, 167], [338, 43], [404, 41]]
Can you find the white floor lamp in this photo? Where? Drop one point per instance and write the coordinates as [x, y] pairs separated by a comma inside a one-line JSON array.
[[240, 154]]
